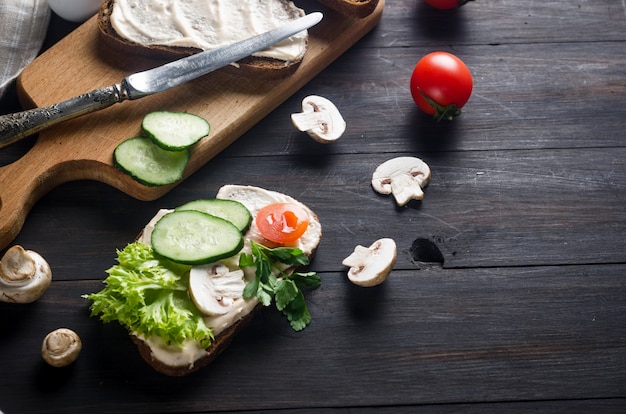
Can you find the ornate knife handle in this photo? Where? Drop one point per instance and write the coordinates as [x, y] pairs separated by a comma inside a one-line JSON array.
[[14, 127]]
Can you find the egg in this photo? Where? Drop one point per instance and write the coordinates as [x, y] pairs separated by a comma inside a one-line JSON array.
[[76, 11]]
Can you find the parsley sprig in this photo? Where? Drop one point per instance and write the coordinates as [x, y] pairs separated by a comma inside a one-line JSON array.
[[272, 282]]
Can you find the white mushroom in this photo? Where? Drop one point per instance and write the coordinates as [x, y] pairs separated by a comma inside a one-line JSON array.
[[61, 347], [24, 276], [404, 177], [370, 266], [319, 118], [214, 288]]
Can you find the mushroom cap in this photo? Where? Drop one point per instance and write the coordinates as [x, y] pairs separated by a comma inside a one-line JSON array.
[[17, 266], [404, 177], [61, 347], [319, 118], [370, 266], [24, 275]]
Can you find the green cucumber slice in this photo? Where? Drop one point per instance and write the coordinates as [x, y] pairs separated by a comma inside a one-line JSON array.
[[195, 238], [148, 163], [230, 210], [174, 131]]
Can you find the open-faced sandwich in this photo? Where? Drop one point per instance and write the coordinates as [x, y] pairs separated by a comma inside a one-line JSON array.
[[175, 28], [197, 274]]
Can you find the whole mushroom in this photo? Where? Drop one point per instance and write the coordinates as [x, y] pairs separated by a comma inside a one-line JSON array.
[[404, 177], [61, 347], [24, 276]]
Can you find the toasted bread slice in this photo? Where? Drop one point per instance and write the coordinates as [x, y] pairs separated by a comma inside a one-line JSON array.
[[254, 198], [351, 8], [256, 65]]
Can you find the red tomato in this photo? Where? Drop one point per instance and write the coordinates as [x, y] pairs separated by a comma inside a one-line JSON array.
[[441, 85], [446, 4], [282, 222]]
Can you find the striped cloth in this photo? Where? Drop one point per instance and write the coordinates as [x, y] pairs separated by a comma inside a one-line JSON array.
[[23, 26]]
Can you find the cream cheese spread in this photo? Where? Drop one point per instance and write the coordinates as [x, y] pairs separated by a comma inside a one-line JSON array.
[[191, 351], [207, 24], [255, 198]]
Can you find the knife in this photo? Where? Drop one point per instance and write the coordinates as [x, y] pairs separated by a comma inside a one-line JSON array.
[[14, 127]]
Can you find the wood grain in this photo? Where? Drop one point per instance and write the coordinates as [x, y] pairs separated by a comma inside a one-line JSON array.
[[519, 208], [428, 337]]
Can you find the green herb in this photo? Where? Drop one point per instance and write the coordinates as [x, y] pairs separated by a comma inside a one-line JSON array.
[[148, 295], [272, 282]]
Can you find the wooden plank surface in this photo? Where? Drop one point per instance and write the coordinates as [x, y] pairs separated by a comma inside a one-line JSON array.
[[526, 311], [512, 208], [429, 337]]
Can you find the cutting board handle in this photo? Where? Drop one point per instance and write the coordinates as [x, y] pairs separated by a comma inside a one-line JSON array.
[[22, 183]]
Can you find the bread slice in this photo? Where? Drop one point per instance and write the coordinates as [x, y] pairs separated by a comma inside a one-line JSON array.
[[219, 344], [351, 8], [265, 67], [253, 198]]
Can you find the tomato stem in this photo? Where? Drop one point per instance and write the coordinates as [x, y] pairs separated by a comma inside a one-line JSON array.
[[442, 112]]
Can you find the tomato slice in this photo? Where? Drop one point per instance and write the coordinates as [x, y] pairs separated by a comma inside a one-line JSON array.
[[282, 222]]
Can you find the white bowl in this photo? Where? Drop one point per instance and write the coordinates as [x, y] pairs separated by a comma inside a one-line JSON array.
[[75, 10]]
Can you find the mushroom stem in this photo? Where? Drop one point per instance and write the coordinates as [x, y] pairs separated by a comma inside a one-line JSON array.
[[308, 120], [404, 190]]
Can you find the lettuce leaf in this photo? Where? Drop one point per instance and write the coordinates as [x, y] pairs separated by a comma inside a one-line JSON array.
[[148, 295]]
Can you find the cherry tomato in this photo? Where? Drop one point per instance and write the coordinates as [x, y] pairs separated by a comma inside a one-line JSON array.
[[446, 4], [441, 85], [282, 222]]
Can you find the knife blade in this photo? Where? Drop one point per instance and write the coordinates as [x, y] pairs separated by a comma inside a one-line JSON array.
[[16, 126]]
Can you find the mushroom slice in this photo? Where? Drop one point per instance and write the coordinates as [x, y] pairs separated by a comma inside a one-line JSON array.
[[319, 118], [214, 288], [404, 177], [370, 266], [24, 276], [61, 347]]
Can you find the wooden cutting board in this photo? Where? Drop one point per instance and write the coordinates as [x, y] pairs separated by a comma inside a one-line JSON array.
[[81, 149]]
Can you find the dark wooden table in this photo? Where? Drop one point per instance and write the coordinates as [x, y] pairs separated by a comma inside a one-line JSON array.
[[527, 206]]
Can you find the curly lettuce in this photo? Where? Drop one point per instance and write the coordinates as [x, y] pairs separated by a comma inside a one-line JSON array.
[[148, 296]]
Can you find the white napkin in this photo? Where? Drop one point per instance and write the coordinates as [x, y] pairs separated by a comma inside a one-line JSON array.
[[23, 27]]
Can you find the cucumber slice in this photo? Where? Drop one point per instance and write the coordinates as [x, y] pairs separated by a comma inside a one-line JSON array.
[[174, 131], [230, 210], [195, 238], [148, 163]]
